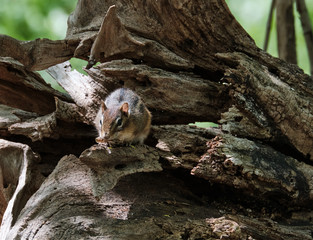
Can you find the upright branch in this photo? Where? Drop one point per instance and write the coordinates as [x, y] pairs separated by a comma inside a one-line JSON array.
[[286, 38], [307, 29], [268, 25]]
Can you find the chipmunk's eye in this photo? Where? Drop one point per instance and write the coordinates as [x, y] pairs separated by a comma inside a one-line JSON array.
[[119, 122], [101, 122]]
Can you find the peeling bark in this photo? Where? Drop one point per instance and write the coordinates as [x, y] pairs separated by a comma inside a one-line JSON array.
[[243, 161], [106, 168], [85, 92], [189, 61], [87, 187], [38, 54], [256, 169], [273, 104], [19, 180], [24, 89], [157, 86]]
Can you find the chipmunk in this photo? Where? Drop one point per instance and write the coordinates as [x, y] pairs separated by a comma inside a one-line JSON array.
[[123, 117]]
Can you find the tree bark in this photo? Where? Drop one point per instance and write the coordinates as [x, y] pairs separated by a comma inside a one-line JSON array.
[[189, 61]]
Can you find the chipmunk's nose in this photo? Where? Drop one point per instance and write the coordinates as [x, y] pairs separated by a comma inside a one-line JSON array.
[[104, 135], [103, 138]]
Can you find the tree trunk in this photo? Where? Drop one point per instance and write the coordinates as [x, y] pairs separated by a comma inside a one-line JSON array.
[[250, 178]]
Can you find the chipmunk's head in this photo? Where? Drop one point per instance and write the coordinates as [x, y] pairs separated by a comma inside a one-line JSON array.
[[111, 122]]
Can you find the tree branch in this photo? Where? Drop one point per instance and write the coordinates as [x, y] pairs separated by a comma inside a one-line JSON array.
[[38, 54], [307, 29], [268, 25], [286, 39]]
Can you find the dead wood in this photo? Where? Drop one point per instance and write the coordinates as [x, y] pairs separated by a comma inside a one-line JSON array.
[[256, 169], [71, 181], [157, 86], [280, 127], [262, 95], [84, 91], [38, 54], [88, 187], [106, 168], [189, 61], [24, 89], [19, 179]]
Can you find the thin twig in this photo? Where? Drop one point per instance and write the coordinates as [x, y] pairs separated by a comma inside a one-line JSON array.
[[268, 25], [307, 29]]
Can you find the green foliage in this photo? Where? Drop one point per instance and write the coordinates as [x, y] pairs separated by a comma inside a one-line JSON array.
[[204, 124], [78, 64], [31, 19], [51, 81]]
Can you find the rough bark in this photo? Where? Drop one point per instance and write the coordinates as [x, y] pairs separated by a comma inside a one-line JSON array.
[[19, 179], [38, 54], [89, 186], [250, 178], [24, 89]]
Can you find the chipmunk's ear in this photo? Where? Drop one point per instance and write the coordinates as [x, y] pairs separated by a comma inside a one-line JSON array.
[[103, 106], [124, 109]]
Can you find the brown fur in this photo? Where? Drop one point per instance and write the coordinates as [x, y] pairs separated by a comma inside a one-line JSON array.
[[123, 117]]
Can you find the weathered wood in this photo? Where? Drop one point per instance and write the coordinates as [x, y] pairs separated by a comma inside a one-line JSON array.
[[157, 204], [113, 31], [107, 167], [277, 121], [24, 89], [256, 169], [36, 129], [64, 122], [158, 89], [9, 116], [189, 61], [269, 229], [85, 92], [273, 120], [190, 31], [38, 54], [279, 107], [19, 180]]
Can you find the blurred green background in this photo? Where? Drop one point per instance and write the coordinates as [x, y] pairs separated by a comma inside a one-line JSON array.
[[31, 19]]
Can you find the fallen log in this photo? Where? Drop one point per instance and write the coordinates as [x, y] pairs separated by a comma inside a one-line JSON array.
[[189, 61]]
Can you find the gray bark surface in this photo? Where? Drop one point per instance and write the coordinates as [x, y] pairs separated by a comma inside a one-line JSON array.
[[248, 178]]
